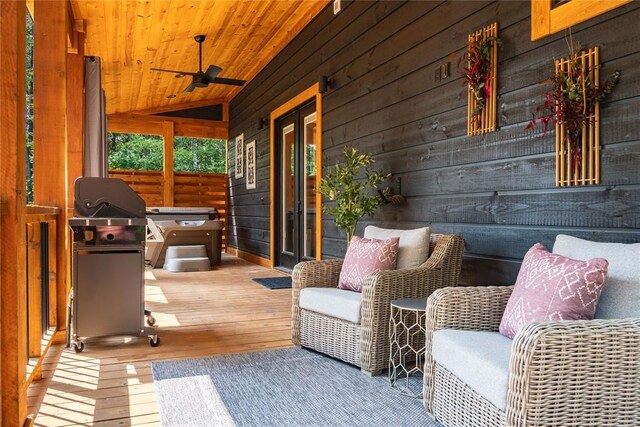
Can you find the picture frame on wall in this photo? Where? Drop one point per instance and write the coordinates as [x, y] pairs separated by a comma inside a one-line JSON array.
[[251, 165], [239, 173]]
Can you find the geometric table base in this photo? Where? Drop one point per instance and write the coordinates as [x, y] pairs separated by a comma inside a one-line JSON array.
[[406, 340]]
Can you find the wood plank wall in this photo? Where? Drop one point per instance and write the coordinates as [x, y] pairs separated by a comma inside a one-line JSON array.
[[190, 189], [497, 189]]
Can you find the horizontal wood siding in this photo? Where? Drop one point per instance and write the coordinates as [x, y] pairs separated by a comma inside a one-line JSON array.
[[497, 189], [191, 189]]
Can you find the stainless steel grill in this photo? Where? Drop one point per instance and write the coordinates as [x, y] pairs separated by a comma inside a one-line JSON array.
[[109, 230]]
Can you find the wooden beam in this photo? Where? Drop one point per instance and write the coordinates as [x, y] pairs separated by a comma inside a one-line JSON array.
[[72, 35], [149, 125], [181, 106], [167, 165], [50, 134], [201, 129], [225, 112], [13, 358], [75, 116]]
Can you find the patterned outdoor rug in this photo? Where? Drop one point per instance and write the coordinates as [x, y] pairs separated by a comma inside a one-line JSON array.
[[289, 387], [280, 282]]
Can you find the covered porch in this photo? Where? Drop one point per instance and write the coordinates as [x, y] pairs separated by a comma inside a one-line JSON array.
[[384, 77]]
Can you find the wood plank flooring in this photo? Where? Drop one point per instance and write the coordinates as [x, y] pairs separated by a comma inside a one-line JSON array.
[[198, 314]]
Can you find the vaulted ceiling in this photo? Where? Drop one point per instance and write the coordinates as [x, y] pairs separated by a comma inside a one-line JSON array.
[[133, 36]]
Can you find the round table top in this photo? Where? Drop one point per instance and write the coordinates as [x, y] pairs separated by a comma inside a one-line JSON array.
[[418, 304]]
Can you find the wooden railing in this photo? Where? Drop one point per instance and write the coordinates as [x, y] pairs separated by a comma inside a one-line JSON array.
[[190, 189], [41, 293]]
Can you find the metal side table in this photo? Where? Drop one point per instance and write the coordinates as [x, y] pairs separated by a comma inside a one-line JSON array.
[[407, 345]]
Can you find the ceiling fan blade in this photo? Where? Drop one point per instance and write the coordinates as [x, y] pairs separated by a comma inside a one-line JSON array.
[[190, 88], [212, 72], [186, 73], [233, 82]]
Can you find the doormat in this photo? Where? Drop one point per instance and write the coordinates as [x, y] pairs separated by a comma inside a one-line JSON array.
[[280, 282]]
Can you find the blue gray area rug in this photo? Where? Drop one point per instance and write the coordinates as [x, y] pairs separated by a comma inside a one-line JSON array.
[[288, 387], [281, 282]]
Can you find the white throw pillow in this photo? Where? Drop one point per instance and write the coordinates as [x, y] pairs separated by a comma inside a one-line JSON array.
[[414, 244], [621, 293]]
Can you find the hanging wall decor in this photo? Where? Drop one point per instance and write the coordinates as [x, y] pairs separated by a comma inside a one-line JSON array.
[[251, 165], [481, 76], [239, 169], [574, 107]]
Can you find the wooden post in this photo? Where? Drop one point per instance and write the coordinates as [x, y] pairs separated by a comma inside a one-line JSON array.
[[75, 116], [167, 169], [12, 212], [50, 129]]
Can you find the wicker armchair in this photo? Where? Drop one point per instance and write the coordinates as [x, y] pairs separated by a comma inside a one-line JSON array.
[[366, 344], [578, 373]]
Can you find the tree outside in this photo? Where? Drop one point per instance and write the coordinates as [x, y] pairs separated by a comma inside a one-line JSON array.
[[144, 152], [29, 112]]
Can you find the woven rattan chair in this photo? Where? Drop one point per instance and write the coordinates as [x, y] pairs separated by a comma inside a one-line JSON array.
[[366, 344], [569, 373]]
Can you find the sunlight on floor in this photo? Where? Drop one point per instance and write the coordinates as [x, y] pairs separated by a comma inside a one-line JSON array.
[[166, 320], [198, 314], [154, 294]]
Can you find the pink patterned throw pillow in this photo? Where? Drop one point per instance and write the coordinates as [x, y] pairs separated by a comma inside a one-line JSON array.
[[553, 287], [365, 256]]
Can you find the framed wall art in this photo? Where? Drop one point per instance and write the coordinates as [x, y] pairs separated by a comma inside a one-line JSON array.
[[239, 156], [251, 165]]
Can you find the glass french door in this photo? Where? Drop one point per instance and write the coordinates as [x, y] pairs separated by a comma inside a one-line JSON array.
[[296, 188]]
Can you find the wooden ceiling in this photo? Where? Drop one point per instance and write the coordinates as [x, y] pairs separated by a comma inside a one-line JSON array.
[[133, 36]]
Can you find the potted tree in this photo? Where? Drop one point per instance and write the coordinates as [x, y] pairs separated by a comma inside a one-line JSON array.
[[352, 185]]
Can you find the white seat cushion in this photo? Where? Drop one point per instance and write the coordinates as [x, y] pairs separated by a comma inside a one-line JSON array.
[[333, 302], [479, 359], [620, 298], [414, 244]]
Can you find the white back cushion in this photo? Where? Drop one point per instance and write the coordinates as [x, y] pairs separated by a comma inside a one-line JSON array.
[[414, 244], [620, 296]]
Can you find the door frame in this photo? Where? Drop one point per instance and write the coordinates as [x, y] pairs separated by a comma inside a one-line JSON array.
[[297, 101]]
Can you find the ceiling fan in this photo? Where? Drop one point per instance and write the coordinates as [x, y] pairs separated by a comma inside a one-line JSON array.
[[200, 79]]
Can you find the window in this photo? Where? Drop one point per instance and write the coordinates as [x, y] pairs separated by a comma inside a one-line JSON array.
[[551, 16]]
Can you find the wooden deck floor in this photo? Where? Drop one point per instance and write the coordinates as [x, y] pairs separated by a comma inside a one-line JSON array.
[[198, 314]]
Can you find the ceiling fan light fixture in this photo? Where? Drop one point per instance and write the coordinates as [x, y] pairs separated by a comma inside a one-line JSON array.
[[201, 79]]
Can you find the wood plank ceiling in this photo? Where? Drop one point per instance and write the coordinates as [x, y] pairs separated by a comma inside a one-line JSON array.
[[133, 36]]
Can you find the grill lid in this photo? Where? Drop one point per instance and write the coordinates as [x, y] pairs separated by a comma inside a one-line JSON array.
[[106, 198]]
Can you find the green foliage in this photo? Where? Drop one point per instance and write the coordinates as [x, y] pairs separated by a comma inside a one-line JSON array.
[[137, 152], [353, 198], [29, 112], [144, 152], [200, 155]]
